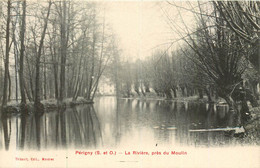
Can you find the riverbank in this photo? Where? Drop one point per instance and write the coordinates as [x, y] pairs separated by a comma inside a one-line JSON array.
[[13, 107], [252, 128], [194, 99]]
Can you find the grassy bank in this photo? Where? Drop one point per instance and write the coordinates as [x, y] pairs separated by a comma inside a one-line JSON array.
[[50, 104], [153, 96]]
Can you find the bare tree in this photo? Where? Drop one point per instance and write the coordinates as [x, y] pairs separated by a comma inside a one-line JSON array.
[[64, 43], [7, 49], [21, 67], [37, 98], [242, 17]]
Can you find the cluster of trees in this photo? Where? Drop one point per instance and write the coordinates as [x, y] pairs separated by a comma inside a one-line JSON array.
[[168, 75], [220, 57], [52, 49], [59, 49]]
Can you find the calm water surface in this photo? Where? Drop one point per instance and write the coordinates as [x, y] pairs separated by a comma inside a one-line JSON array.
[[112, 123]]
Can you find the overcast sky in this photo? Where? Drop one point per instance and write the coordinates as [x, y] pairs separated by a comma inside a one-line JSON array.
[[140, 26]]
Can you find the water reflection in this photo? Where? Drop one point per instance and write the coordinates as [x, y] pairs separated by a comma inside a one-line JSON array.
[[76, 127], [115, 122], [5, 132]]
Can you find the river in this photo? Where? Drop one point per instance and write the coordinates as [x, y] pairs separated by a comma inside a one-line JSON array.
[[113, 123]]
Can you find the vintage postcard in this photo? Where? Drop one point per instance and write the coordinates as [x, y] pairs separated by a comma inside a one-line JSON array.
[[135, 84]]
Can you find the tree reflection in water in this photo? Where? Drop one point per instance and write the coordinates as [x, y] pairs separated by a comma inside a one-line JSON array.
[[76, 127], [119, 122], [6, 130]]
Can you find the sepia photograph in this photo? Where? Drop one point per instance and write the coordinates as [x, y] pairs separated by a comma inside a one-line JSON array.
[[138, 84]]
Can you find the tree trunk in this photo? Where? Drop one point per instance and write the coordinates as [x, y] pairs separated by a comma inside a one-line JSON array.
[[208, 95], [30, 77], [200, 93], [143, 92], [232, 105], [44, 81], [80, 87], [37, 103], [174, 92], [7, 48], [128, 93], [16, 63], [92, 66], [183, 91], [78, 77], [137, 90], [55, 73], [116, 75], [157, 92], [146, 85], [21, 78], [168, 94], [27, 93], [63, 53], [188, 90], [9, 87]]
